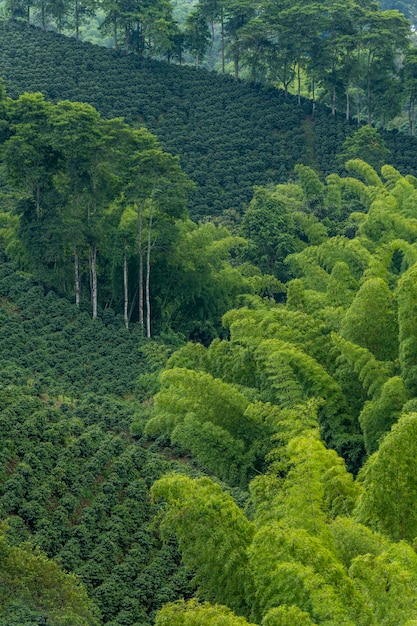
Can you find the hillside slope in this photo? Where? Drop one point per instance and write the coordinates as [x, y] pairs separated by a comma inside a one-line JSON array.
[[230, 135], [72, 479]]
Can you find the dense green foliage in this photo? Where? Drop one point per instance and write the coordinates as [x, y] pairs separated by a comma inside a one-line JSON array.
[[99, 212], [310, 546], [349, 56], [73, 481], [229, 135], [265, 475]]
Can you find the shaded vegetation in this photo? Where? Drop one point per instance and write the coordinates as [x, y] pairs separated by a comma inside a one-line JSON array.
[[230, 135]]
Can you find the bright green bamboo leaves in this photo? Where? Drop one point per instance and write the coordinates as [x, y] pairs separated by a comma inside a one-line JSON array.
[[389, 482], [311, 185], [314, 484], [287, 616], [407, 312], [388, 582], [209, 417], [342, 287], [364, 170], [292, 567], [378, 415], [351, 539], [39, 584], [194, 614], [371, 317], [213, 535]]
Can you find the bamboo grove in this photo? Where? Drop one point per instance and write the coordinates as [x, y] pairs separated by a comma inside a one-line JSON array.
[[336, 364]]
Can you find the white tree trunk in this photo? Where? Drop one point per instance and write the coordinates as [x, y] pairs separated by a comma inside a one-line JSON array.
[[148, 276], [222, 39], [125, 291], [93, 274], [77, 276], [140, 254]]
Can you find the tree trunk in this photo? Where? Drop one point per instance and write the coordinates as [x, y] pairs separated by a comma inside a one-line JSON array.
[[222, 37], [236, 65], [77, 276], [211, 47], [38, 202], [116, 41], [140, 254], [125, 290], [93, 275], [411, 116], [77, 20], [347, 101], [148, 275], [368, 92], [334, 101], [313, 89], [298, 82], [358, 108]]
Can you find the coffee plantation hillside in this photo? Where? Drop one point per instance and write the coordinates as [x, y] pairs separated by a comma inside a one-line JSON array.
[[230, 135], [267, 478], [74, 483]]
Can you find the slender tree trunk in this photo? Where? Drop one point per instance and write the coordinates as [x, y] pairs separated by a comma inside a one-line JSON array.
[[125, 290], [222, 38], [77, 276], [347, 100], [368, 92], [116, 41], [140, 254], [411, 116], [28, 16], [334, 101], [313, 89], [236, 65], [43, 16], [358, 108], [148, 276], [93, 275], [298, 82], [38, 202], [211, 47], [77, 20]]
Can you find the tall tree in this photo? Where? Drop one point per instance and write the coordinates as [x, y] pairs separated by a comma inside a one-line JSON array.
[[81, 183], [196, 35]]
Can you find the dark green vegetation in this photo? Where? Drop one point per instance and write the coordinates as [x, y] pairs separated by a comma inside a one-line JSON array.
[[262, 473], [73, 481], [98, 211], [349, 56], [229, 135]]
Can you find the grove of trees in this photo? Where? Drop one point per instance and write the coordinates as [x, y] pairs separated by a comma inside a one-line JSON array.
[[357, 58]]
